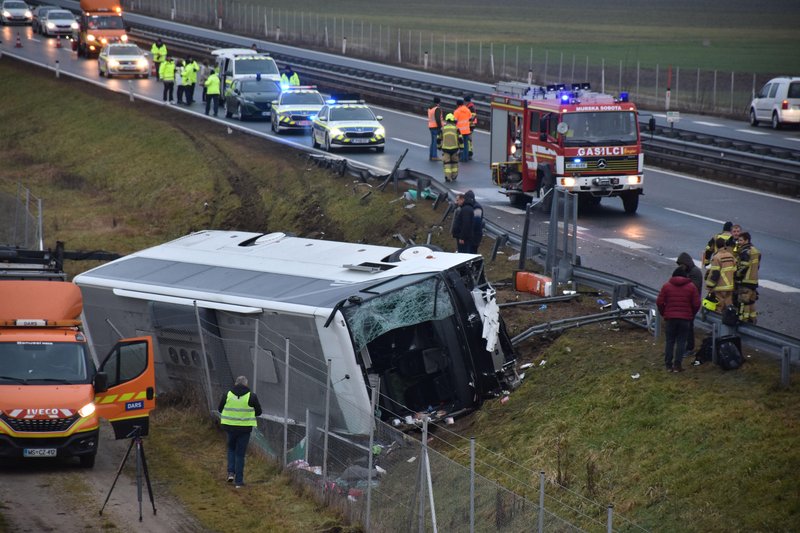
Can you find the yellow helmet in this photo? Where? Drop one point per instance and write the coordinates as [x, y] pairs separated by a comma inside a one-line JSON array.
[[450, 118]]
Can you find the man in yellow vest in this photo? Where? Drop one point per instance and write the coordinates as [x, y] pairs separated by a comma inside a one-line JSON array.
[[720, 274], [159, 53], [212, 91], [450, 143], [166, 73], [289, 78], [238, 409]]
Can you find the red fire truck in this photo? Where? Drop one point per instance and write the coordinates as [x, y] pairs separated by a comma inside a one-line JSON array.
[[565, 137]]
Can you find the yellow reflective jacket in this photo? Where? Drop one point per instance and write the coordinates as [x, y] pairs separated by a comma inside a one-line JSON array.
[[721, 272]]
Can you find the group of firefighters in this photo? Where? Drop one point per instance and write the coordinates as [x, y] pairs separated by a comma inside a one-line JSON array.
[[731, 262], [452, 134]]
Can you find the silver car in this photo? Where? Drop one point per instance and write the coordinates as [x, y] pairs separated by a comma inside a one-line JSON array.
[[58, 22], [38, 15], [123, 59], [15, 12]]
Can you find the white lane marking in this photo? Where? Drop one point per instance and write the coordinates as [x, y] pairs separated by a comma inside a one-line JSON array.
[[693, 215], [775, 286], [627, 244], [713, 124], [509, 209], [724, 185], [409, 142], [796, 139], [754, 132]]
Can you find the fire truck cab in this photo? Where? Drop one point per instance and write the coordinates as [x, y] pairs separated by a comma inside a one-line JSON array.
[[568, 138]]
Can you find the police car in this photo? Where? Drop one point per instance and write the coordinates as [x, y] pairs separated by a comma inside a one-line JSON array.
[[347, 124], [295, 107]]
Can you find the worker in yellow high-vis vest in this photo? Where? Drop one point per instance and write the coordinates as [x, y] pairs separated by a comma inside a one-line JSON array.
[[238, 409]]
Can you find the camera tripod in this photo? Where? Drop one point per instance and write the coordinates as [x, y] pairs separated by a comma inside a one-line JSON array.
[[141, 471]]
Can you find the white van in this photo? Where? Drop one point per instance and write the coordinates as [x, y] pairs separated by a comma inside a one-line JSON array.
[[777, 102], [238, 63]]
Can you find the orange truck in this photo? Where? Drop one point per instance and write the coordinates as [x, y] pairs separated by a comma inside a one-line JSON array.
[[100, 23], [51, 395]]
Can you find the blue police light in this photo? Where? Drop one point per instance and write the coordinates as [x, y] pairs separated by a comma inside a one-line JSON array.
[[623, 97], [330, 101], [312, 117], [565, 98], [284, 86], [577, 160]]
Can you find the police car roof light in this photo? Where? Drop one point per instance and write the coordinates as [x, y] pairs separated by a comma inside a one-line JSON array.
[[623, 96], [330, 101], [303, 87]]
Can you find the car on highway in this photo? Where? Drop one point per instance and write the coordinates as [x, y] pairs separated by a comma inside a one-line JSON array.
[[347, 124], [57, 23], [778, 102], [38, 14], [295, 108], [123, 59], [15, 12], [251, 98]]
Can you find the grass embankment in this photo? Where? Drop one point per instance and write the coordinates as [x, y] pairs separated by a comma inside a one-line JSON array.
[[698, 451], [725, 35]]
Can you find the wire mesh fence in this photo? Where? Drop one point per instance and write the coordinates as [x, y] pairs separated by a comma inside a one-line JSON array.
[[690, 89], [341, 444], [20, 218]]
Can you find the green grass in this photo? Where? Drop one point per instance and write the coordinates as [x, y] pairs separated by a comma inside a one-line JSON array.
[[701, 451], [727, 35]]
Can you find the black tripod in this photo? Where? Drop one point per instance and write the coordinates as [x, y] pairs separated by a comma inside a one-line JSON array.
[[141, 468]]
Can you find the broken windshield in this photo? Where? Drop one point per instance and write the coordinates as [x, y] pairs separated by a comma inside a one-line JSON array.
[[600, 128], [421, 302]]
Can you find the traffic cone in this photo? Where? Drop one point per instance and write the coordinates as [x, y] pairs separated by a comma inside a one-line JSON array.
[[19, 42], [58, 41]]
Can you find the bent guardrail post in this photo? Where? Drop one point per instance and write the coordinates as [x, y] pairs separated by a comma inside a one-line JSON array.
[[498, 243], [786, 354]]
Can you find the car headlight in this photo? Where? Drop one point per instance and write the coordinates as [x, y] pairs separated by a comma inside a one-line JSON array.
[[28, 15], [124, 38], [335, 132], [6, 14], [380, 132], [50, 25], [74, 26], [113, 63], [87, 410], [142, 63], [90, 38]]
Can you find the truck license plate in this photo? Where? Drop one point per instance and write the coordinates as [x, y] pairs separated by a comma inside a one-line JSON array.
[[360, 141], [39, 452]]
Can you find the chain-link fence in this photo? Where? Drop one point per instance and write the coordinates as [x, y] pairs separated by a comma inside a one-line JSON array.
[[319, 424], [691, 89], [20, 218]]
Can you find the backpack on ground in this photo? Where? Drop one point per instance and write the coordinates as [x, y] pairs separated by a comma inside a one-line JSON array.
[[729, 354], [705, 352]]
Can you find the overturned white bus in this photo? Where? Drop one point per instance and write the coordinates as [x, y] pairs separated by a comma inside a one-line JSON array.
[[220, 304]]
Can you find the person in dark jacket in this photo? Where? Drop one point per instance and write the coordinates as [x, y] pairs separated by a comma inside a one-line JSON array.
[[238, 409], [678, 302], [695, 275], [462, 224], [477, 222]]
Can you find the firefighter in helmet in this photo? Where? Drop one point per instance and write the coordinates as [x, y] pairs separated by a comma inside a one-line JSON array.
[[749, 258], [721, 272], [450, 143]]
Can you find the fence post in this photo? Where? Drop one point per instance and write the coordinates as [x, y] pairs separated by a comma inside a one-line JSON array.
[[472, 485], [541, 501], [255, 357], [610, 518], [327, 427], [344, 46], [375, 383], [286, 404], [786, 353], [422, 485], [425, 61]]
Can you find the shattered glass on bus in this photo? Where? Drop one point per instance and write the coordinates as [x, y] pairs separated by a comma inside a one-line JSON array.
[[425, 337]]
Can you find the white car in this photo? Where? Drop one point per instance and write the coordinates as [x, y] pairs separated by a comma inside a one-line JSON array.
[[58, 22], [295, 108], [15, 12], [778, 102], [347, 124], [123, 59]]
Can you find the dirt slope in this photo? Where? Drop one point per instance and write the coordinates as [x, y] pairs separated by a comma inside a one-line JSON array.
[[40, 495]]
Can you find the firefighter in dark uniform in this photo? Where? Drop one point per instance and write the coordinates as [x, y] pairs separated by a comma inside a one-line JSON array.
[[450, 143], [749, 258], [711, 247]]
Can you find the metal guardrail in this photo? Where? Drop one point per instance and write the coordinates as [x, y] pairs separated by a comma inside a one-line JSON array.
[[762, 338]]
